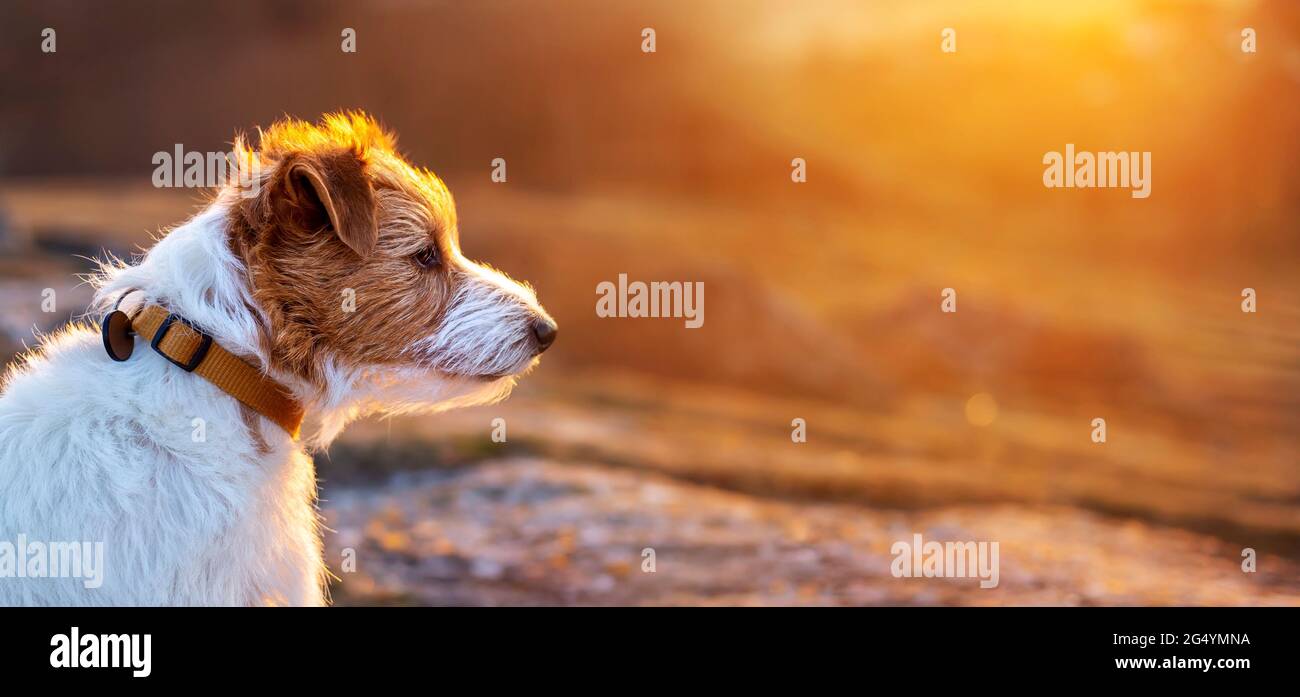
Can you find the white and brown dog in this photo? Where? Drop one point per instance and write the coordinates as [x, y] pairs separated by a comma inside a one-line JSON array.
[[341, 284]]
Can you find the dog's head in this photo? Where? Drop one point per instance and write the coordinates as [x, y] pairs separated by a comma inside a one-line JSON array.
[[353, 257]]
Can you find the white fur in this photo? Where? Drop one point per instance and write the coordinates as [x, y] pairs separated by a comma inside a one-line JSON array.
[[93, 450], [486, 329]]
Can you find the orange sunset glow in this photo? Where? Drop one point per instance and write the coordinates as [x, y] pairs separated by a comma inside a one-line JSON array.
[[945, 329]]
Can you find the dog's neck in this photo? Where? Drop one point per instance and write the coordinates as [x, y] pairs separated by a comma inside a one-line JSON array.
[[193, 272]]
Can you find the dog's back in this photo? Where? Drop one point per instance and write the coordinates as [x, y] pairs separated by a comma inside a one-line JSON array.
[[155, 470]]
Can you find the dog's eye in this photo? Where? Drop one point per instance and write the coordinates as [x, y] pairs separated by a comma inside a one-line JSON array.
[[427, 258]]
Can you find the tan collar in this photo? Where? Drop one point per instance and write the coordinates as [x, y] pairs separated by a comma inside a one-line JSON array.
[[193, 351]]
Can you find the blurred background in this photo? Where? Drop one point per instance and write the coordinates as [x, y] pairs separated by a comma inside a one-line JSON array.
[[924, 172]]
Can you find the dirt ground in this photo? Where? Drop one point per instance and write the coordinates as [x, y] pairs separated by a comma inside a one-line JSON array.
[[529, 531]]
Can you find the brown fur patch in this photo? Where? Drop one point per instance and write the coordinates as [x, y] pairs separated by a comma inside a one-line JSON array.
[[335, 182], [302, 259], [254, 426]]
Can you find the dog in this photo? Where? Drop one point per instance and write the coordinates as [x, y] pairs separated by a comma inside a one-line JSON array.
[[337, 284]]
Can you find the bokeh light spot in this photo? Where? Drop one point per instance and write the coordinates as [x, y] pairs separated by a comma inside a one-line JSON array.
[[981, 409]]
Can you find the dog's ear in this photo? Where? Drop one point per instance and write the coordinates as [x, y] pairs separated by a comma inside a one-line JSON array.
[[331, 188]]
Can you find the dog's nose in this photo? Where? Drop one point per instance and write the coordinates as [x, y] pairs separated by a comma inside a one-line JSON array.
[[544, 330]]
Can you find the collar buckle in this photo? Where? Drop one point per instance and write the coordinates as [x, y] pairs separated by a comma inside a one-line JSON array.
[[205, 343]]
